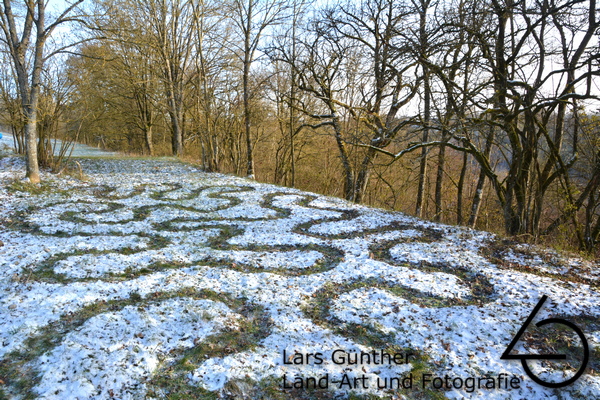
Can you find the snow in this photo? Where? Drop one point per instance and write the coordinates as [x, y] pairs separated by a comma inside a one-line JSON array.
[[137, 227], [113, 352]]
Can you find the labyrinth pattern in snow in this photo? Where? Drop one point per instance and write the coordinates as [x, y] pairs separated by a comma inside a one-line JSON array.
[[150, 278]]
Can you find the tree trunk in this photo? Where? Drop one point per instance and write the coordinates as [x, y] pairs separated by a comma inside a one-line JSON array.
[[33, 172], [423, 162], [460, 189], [423, 49], [439, 182], [362, 179], [348, 174], [481, 181], [246, 87], [148, 137], [177, 139], [32, 168], [247, 126], [292, 101]]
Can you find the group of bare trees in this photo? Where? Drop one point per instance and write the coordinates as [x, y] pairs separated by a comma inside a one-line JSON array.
[[464, 105], [25, 30], [504, 83], [189, 60]]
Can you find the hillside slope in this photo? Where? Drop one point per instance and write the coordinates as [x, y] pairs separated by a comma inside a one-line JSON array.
[[150, 279]]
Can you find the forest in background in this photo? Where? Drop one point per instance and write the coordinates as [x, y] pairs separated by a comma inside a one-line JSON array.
[[483, 113]]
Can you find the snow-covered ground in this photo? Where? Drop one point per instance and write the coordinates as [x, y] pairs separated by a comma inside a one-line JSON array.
[[108, 284]]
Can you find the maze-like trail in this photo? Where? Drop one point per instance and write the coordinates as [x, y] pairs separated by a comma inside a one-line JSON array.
[[152, 278]]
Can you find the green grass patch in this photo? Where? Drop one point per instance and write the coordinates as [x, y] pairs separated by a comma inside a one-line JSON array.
[[35, 189], [45, 187]]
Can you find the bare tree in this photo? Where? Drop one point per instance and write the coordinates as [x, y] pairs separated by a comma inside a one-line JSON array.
[[251, 18], [171, 24], [13, 110], [286, 95], [18, 38], [423, 49], [211, 62], [319, 64], [136, 75], [533, 120], [527, 99], [355, 66]]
